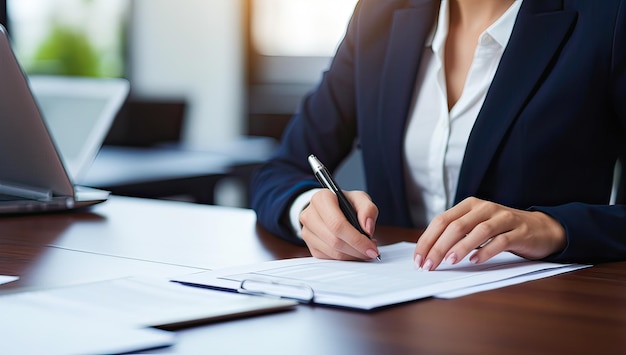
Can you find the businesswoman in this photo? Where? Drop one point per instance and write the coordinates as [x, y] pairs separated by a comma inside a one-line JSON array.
[[491, 123]]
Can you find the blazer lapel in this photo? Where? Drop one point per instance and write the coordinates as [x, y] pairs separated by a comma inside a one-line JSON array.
[[408, 33], [541, 27]]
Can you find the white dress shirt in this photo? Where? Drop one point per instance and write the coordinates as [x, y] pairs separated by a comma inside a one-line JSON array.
[[435, 137]]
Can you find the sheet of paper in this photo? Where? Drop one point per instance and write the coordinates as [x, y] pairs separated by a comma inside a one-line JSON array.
[[511, 281], [31, 329], [6, 279], [372, 284], [146, 302]]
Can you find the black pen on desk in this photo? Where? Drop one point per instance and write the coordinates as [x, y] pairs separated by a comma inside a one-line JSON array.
[[324, 177]]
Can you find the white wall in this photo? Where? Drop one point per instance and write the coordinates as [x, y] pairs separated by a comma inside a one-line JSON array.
[[192, 49]]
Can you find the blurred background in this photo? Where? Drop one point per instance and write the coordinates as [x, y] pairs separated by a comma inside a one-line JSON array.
[[213, 79]]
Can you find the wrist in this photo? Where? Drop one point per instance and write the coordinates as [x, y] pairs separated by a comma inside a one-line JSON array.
[[555, 232], [298, 205]]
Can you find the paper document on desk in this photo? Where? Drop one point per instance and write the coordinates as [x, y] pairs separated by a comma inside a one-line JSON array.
[[510, 281], [147, 302], [366, 285], [29, 328], [115, 316], [6, 279]]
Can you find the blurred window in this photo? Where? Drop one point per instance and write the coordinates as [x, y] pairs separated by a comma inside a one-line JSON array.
[[299, 27], [291, 43], [69, 37]]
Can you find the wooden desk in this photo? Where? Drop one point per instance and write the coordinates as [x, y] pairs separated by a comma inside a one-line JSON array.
[[579, 312]]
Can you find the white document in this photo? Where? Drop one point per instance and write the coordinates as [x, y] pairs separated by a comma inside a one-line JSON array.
[[6, 279], [146, 302], [510, 281], [115, 316], [366, 285], [29, 329]]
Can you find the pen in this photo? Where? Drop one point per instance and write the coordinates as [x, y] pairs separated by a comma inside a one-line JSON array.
[[324, 177]]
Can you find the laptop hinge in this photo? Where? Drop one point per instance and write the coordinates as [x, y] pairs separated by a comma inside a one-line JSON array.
[[27, 192]]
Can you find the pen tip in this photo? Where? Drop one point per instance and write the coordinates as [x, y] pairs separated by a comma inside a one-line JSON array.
[[378, 258]]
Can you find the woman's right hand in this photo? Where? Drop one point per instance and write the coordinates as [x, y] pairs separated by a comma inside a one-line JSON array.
[[329, 235]]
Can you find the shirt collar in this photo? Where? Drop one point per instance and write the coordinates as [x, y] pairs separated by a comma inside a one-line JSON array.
[[500, 30]]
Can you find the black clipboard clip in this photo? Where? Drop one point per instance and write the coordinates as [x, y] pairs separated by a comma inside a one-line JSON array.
[[300, 292]]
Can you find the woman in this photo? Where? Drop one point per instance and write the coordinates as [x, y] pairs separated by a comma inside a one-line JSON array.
[[496, 124]]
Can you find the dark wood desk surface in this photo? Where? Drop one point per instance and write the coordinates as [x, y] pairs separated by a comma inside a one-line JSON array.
[[578, 312]]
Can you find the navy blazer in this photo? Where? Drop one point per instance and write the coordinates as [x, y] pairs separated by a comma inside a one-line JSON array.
[[547, 138]]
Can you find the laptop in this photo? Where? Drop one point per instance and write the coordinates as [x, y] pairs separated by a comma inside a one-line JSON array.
[[49, 135], [78, 112]]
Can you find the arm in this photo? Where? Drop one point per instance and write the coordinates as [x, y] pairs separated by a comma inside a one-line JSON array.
[[324, 125], [598, 232]]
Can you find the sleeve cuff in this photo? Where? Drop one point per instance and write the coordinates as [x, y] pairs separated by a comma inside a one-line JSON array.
[[296, 208]]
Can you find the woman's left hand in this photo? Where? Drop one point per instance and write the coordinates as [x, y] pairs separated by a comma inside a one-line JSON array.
[[490, 228]]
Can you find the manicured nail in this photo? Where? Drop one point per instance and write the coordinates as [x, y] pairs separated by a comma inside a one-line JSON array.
[[451, 259], [371, 253], [418, 261], [427, 265], [474, 259]]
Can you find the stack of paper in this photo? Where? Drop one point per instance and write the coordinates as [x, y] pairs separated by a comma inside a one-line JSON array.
[[373, 284], [115, 316]]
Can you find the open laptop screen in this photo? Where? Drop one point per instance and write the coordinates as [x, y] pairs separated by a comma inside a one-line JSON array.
[[79, 113]]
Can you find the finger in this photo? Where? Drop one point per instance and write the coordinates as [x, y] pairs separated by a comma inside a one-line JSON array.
[[445, 246], [330, 233], [434, 231], [493, 247], [367, 211], [494, 224], [339, 226], [426, 241], [485, 221], [481, 221], [321, 250], [531, 236], [321, 241], [502, 230], [324, 245], [312, 229]]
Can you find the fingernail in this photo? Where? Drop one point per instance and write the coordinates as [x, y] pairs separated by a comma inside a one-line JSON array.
[[371, 253], [418, 260], [451, 259], [427, 265], [474, 259]]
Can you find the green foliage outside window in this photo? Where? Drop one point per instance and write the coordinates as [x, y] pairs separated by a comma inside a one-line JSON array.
[[70, 38], [65, 51]]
